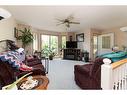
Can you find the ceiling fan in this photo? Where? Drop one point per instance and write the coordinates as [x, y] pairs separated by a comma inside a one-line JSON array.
[[67, 21], [4, 14]]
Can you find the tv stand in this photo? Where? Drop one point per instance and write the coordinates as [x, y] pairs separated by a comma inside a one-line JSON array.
[[72, 54]]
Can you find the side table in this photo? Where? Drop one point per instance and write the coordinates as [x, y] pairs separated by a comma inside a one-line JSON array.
[[42, 85]]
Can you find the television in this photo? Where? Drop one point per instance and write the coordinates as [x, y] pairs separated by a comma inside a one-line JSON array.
[[71, 44]]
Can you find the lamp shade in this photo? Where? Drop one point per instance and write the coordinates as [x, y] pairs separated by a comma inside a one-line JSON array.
[[4, 14]]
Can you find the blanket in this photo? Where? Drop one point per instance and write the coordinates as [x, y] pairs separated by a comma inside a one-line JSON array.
[[115, 56], [12, 57]]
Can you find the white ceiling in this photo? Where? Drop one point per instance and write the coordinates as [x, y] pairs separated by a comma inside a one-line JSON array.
[[44, 17]]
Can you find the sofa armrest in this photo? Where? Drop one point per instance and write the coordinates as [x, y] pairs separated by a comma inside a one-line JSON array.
[[35, 71], [83, 69], [37, 62], [32, 58], [97, 75]]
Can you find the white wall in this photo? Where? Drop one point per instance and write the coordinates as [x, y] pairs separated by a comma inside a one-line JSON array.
[[86, 44], [120, 37], [7, 29]]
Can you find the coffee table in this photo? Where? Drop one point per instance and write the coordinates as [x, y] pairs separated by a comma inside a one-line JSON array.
[[42, 85]]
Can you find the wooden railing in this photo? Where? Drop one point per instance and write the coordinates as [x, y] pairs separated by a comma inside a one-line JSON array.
[[114, 76]]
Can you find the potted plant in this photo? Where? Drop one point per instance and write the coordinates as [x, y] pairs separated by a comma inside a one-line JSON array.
[[48, 52], [51, 55], [26, 37]]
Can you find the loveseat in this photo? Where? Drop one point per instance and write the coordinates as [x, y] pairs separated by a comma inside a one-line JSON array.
[[12, 65], [8, 73]]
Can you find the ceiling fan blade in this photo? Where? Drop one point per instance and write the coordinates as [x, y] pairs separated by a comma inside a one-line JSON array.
[[75, 22], [70, 17], [59, 20], [59, 23]]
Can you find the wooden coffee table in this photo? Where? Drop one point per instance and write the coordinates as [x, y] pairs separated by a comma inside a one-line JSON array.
[[42, 85]]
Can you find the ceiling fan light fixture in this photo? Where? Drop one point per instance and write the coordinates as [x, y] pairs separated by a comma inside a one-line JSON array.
[[67, 21], [67, 24], [4, 14], [1, 17]]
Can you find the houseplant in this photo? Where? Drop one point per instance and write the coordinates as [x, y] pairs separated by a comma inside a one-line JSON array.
[[26, 37], [48, 52], [51, 55]]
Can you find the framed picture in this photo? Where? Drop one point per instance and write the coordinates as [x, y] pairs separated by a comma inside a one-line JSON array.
[[80, 37]]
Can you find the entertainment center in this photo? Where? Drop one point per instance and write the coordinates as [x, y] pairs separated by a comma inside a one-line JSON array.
[[71, 52]]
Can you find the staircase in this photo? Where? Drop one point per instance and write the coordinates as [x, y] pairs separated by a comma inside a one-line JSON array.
[[114, 76]]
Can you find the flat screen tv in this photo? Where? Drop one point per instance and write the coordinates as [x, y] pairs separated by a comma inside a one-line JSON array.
[[71, 44]]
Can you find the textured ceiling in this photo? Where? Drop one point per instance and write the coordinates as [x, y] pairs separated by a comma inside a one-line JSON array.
[[44, 17]]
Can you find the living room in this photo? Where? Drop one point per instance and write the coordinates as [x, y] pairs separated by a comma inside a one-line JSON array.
[[71, 44]]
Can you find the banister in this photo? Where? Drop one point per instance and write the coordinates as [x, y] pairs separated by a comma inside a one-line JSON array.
[[118, 63], [114, 76]]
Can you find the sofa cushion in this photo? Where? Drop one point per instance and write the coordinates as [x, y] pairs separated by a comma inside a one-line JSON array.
[[34, 62], [84, 69]]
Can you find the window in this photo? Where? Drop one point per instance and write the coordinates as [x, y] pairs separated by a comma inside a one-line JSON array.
[[63, 41], [49, 43], [106, 42]]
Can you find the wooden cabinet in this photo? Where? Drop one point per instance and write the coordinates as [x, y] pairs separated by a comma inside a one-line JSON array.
[[72, 54]]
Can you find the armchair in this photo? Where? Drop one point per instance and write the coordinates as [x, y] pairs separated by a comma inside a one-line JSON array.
[[88, 76]]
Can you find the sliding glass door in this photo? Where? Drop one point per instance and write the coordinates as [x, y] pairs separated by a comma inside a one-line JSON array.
[[63, 42], [49, 44]]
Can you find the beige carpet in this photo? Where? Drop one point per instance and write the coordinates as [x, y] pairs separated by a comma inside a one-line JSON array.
[[61, 74]]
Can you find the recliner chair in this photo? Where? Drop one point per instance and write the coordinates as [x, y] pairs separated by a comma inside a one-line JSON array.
[[88, 76]]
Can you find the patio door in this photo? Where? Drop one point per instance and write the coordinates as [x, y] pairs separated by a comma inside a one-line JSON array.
[[105, 43], [49, 42]]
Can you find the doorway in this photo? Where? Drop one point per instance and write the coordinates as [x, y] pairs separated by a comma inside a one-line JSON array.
[[105, 43]]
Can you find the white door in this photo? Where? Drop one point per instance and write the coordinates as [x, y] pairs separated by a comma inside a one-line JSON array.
[[105, 43]]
